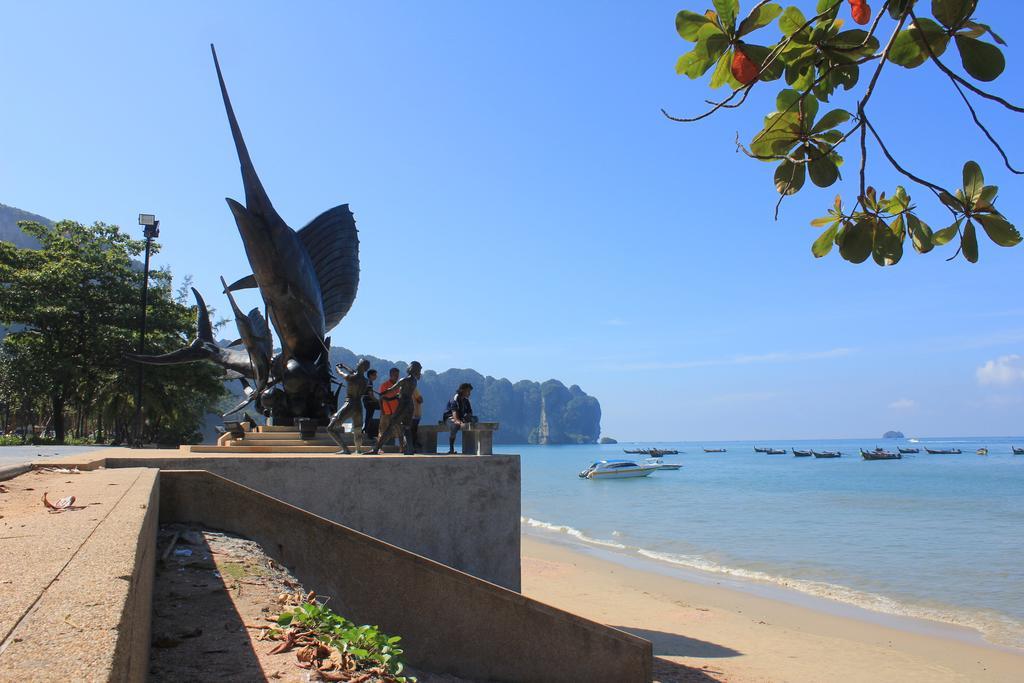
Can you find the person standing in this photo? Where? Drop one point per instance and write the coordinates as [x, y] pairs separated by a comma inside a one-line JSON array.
[[388, 401], [458, 413], [398, 420], [370, 405]]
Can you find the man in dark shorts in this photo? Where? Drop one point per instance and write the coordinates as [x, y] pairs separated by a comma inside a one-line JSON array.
[[397, 422], [458, 413]]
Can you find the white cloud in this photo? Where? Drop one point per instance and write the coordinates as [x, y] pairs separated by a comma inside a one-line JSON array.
[[903, 404], [1003, 370], [776, 357]]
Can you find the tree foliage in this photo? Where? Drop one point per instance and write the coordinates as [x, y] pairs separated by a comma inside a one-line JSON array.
[[73, 305], [818, 59]]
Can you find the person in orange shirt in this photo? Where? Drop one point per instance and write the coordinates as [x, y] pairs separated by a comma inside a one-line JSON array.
[[388, 402]]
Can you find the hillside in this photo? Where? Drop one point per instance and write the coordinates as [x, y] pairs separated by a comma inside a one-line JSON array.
[[9, 230]]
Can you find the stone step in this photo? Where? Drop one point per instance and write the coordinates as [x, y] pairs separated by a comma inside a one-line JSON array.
[[278, 443], [202, 448]]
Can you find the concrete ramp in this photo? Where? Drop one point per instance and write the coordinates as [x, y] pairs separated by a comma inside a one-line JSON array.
[[450, 621]]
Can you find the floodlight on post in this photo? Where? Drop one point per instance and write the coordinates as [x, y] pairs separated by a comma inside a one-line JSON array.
[[151, 230]]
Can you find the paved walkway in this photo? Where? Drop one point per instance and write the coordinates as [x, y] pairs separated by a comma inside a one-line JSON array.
[[16, 455]]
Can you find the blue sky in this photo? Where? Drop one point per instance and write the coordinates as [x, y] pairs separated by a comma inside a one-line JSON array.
[[525, 210]]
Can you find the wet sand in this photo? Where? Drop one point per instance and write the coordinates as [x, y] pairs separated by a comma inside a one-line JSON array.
[[706, 630]]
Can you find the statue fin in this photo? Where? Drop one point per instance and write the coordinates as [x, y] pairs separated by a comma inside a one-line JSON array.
[[332, 242], [204, 330], [247, 282]]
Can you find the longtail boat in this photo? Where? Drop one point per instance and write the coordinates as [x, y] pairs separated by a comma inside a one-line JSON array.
[[879, 454], [905, 451], [774, 451], [802, 454], [943, 451], [653, 452], [714, 450], [1017, 451], [759, 449], [827, 454]]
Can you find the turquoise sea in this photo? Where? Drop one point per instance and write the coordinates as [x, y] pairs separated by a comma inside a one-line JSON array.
[[933, 536]]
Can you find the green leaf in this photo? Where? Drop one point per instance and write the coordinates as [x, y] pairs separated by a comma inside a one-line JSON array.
[[974, 181], [898, 7], [792, 20], [999, 230], [830, 120], [823, 245], [856, 242], [762, 16], [727, 10], [952, 12], [969, 243], [951, 202], [886, 248], [789, 177], [946, 235], [788, 101], [688, 24], [823, 170], [909, 49], [920, 234], [988, 193], [780, 134], [723, 72], [984, 61]]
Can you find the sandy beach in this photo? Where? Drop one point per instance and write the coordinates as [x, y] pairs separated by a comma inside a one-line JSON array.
[[707, 632]]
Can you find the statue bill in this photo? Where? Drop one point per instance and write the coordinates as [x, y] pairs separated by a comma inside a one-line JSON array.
[[308, 281]]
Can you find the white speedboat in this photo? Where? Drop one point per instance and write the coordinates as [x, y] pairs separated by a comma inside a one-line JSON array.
[[618, 469], [662, 465]]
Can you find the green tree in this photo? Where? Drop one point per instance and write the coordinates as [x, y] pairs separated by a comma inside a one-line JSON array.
[[75, 302], [820, 60]]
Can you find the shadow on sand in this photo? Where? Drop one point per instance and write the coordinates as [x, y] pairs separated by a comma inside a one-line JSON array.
[[675, 645]]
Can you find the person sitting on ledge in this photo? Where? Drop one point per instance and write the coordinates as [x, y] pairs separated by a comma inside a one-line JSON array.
[[397, 422], [458, 413]]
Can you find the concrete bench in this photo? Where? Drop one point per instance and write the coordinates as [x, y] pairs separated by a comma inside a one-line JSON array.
[[477, 438]]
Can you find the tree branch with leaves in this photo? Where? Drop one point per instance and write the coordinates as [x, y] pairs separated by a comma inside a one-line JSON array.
[[817, 59]]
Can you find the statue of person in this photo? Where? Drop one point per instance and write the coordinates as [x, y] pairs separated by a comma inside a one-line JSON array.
[[398, 422], [352, 408]]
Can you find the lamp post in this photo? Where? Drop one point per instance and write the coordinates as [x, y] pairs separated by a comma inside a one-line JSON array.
[[151, 229]]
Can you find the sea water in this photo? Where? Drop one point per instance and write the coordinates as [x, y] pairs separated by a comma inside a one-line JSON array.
[[933, 536]]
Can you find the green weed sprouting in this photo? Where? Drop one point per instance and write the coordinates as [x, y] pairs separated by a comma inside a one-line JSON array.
[[365, 644]]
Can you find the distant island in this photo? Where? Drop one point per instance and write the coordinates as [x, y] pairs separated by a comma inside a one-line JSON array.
[[893, 435], [607, 439]]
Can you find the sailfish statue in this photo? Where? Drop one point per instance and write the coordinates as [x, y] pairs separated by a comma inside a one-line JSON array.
[[308, 280]]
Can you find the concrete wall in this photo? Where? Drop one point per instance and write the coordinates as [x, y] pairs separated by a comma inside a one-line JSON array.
[[450, 622], [462, 511]]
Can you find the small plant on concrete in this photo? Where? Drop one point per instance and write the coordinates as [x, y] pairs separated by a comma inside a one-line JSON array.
[[337, 647]]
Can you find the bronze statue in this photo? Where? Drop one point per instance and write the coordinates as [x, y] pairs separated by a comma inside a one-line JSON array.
[[308, 281], [399, 421], [353, 407]]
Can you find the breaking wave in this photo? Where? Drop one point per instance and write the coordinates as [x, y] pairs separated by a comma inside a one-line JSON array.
[[995, 627]]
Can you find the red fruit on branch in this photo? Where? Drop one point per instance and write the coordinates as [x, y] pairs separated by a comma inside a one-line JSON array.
[[743, 68], [861, 11]]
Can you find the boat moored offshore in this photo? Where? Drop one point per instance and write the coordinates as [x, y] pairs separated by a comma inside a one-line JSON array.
[[618, 469]]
